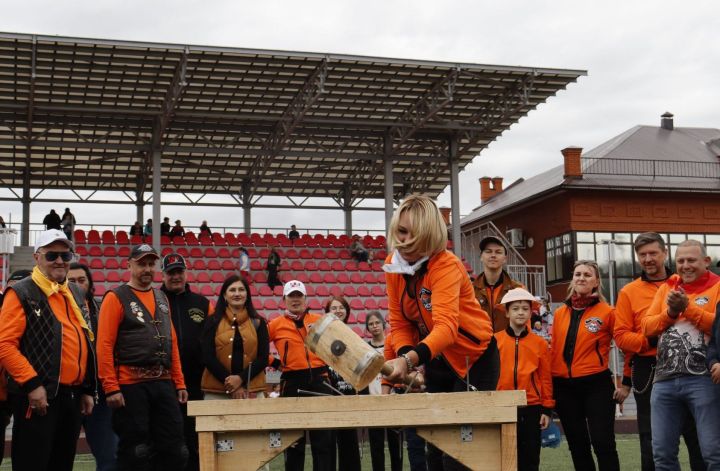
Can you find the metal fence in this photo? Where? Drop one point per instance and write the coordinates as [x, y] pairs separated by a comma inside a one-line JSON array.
[[649, 168]]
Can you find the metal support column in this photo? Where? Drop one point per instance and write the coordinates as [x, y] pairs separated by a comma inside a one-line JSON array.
[[25, 225], [389, 194], [455, 196], [347, 208], [139, 207], [156, 204], [247, 206]]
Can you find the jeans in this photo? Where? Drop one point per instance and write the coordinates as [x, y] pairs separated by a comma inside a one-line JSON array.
[[642, 377], [416, 450], [670, 401], [101, 438]]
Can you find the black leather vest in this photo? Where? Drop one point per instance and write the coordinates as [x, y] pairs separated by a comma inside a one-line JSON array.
[[143, 340]]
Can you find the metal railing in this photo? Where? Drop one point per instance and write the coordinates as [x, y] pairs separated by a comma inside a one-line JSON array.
[[649, 168], [532, 276]]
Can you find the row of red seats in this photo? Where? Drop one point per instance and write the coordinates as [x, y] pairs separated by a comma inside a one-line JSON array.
[[107, 237]]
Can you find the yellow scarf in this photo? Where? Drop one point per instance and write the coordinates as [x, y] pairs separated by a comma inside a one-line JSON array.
[[49, 287]]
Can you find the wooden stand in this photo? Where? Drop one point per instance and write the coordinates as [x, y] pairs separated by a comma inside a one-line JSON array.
[[476, 428]]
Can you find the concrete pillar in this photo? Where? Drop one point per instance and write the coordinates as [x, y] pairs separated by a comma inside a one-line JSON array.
[[455, 196], [247, 207], [156, 202], [25, 224], [347, 208], [389, 196]]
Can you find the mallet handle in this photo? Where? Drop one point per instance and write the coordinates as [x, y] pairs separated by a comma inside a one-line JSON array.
[[387, 370]]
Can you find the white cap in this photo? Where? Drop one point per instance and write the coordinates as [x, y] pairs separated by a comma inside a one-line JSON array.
[[517, 294], [52, 235], [292, 286]]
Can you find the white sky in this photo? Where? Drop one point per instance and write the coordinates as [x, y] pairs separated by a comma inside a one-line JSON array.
[[643, 58]]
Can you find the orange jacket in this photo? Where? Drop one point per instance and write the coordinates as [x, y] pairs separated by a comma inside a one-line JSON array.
[[110, 318], [700, 314], [73, 363], [489, 298], [290, 343], [592, 343], [632, 305], [525, 365], [444, 308]]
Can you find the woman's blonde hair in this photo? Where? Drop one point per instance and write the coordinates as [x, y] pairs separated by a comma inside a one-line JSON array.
[[592, 264], [427, 231]]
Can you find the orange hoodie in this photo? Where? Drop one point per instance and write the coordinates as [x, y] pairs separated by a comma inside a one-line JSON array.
[[525, 365], [591, 353], [444, 308], [290, 343]]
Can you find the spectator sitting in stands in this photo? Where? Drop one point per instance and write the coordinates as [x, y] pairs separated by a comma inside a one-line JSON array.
[[293, 234], [52, 220], [358, 250], [147, 230], [177, 230], [204, 229], [165, 227], [136, 229]]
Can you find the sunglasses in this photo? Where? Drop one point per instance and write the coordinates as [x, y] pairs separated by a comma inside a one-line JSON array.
[[52, 256]]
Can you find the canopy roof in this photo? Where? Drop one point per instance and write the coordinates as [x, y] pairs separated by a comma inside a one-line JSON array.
[[87, 114]]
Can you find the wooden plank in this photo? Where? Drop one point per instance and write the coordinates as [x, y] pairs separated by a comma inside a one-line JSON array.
[[206, 448], [251, 450], [482, 453], [301, 420], [288, 405], [508, 444]]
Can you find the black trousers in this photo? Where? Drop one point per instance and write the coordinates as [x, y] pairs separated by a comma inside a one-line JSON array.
[[642, 376], [439, 377], [322, 442], [376, 437], [348, 449], [528, 438], [150, 428], [587, 413], [46, 442]]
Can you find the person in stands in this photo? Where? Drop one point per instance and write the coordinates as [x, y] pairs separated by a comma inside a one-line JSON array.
[[494, 282], [358, 250], [235, 345], [68, 223], [525, 365], [147, 229], [165, 227], [583, 386], [205, 229], [178, 230], [273, 265], [52, 220], [435, 319], [136, 229], [301, 370], [293, 234]]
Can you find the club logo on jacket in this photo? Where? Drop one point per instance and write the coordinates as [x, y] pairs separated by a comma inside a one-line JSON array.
[[425, 295], [593, 324], [196, 315], [701, 301], [137, 311]]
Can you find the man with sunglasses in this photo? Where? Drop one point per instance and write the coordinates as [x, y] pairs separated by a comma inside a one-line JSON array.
[[46, 349], [139, 366]]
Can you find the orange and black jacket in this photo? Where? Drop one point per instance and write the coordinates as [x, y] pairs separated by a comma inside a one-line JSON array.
[[489, 297], [42, 342], [289, 338], [435, 312], [580, 344], [525, 365]]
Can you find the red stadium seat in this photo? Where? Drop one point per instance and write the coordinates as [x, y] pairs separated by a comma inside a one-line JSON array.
[[265, 290], [305, 253], [296, 265], [112, 277], [157, 278], [218, 288], [349, 291], [315, 305], [100, 291], [214, 265], [253, 290], [178, 240], [196, 252], [337, 265], [228, 265], [255, 265], [264, 253], [108, 237], [207, 290], [218, 239], [284, 266], [210, 253], [206, 240], [356, 278], [316, 277], [199, 265], [81, 250], [359, 331], [369, 278], [136, 239], [190, 276], [310, 290], [257, 304], [112, 264], [244, 239], [96, 264], [364, 266], [230, 238], [291, 253], [98, 276], [224, 252], [125, 276], [95, 251], [383, 304], [79, 236], [166, 251], [310, 266], [336, 291], [93, 237], [124, 252], [270, 304], [343, 278], [377, 291], [300, 277], [344, 254], [377, 265], [260, 277], [217, 277], [371, 304], [351, 266], [109, 251], [318, 254], [331, 255], [322, 291], [361, 317], [278, 290], [329, 278], [363, 291], [323, 265], [202, 277], [122, 238]]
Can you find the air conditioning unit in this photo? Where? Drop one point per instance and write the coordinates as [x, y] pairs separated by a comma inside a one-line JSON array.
[[516, 237]]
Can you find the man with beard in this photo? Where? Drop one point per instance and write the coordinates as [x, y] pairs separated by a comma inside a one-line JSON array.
[[189, 311], [139, 366], [640, 351], [494, 282], [301, 370], [684, 308]]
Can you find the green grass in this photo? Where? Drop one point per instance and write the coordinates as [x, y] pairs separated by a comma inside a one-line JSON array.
[[552, 459]]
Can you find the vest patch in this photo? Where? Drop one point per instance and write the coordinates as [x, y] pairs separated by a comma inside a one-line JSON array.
[[137, 311], [702, 300], [425, 298], [197, 315], [593, 324]]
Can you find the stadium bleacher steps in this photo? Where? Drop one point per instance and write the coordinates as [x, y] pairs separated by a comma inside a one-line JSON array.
[[22, 259]]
